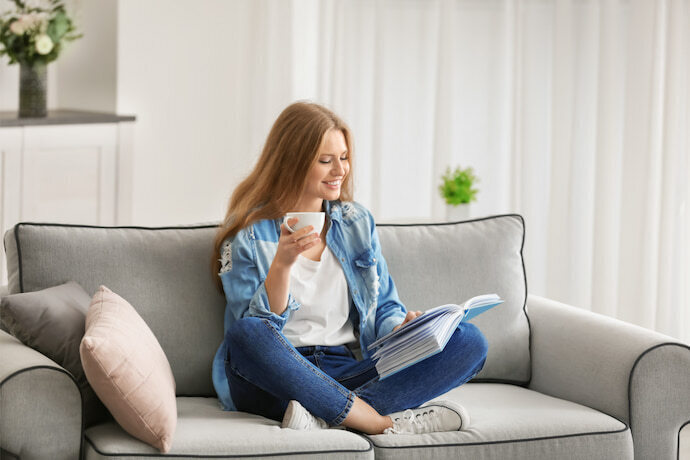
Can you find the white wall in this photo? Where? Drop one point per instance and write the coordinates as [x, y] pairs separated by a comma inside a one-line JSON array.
[[197, 133], [87, 69], [190, 136]]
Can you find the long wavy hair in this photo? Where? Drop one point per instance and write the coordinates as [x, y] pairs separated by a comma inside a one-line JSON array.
[[279, 177]]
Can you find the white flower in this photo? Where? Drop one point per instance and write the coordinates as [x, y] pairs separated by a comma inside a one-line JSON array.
[[31, 21], [18, 27], [37, 21], [40, 21], [44, 44], [28, 20]]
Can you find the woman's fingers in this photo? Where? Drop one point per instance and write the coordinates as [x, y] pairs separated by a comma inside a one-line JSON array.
[[306, 242], [299, 234], [412, 315], [312, 243], [284, 231], [291, 245], [304, 232]]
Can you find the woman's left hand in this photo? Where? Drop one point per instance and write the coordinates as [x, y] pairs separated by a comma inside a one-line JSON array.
[[410, 316]]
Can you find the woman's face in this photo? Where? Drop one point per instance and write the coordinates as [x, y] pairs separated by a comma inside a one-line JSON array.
[[326, 176]]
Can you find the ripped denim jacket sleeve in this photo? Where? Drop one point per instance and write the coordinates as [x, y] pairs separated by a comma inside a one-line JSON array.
[[244, 283]]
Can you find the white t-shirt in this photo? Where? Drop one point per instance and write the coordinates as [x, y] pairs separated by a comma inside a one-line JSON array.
[[321, 289]]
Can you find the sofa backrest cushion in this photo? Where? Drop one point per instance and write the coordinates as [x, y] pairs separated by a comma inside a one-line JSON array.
[[164, 273], [436, 264]]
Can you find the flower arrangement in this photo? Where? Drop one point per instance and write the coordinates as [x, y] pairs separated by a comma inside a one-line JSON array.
[[456, 187], [34, 33]]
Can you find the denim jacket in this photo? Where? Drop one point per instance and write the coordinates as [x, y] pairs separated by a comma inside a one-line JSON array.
[[246, 259]]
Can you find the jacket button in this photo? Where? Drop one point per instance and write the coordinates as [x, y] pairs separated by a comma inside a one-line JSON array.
[[342, 259], [374, 259]]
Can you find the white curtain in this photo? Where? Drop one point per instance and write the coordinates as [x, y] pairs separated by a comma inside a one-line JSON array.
[[573, 113]]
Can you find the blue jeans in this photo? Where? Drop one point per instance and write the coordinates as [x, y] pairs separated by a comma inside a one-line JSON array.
[[265, 372]]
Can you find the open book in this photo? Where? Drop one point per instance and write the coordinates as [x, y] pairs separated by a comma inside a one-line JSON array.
[[425, 335]]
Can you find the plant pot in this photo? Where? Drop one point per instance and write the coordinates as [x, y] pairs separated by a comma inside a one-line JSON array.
[[32, 90], [458, 212]]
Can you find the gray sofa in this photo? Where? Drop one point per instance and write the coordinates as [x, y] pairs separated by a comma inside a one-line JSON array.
[[559, 382]]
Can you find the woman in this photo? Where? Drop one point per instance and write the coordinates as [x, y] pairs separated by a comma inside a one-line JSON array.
[[295, 301]]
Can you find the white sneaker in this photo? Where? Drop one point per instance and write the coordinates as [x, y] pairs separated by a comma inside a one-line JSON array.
[[429, 418], [299, 418]]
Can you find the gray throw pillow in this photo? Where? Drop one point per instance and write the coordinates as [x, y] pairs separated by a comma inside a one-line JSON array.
[[52, 322]]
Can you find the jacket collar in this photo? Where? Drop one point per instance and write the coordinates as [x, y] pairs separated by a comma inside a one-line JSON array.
[[333, 210]]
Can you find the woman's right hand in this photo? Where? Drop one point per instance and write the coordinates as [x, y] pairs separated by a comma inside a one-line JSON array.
[[291, 245]]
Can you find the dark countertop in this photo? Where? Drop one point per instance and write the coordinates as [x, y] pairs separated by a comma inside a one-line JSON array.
[[63, 117]]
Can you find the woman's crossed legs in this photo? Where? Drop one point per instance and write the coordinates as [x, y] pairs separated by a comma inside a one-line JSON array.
[[265, 372]]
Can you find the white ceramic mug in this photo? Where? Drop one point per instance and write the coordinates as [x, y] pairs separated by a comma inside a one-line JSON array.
[[305, 219]]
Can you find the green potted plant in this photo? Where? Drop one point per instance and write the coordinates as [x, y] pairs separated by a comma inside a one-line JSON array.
[[457, 189], [33, 34]]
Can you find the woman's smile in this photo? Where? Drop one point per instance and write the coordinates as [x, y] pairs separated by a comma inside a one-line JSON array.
[[333, 185]]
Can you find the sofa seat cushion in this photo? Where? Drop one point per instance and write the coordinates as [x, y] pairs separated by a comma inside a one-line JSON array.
[[508, 421], [206, 431]]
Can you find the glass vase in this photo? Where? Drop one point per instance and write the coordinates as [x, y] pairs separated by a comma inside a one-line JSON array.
[[32, 90]]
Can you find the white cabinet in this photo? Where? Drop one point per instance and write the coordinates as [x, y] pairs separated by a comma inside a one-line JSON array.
[[76, 169]]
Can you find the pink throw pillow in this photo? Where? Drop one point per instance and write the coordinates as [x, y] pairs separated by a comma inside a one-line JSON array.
[[128, 370]]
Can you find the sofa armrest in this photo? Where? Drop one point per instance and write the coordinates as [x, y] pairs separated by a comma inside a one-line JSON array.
[[637, 375], [40, 405]]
